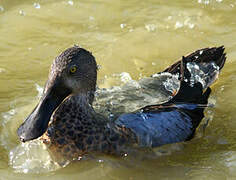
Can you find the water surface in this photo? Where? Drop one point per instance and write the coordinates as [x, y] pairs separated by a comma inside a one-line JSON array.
[[135, 37]]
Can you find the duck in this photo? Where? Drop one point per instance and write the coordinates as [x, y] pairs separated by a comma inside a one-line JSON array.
[[67, 123]]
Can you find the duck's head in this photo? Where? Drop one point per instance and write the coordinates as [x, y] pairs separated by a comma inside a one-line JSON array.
[[74, 71]]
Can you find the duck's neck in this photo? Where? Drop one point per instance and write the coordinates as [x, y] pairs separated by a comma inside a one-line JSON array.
[[83, 98], [75, 127]]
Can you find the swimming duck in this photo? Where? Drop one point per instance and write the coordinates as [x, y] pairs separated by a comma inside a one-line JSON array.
[[70, 127]]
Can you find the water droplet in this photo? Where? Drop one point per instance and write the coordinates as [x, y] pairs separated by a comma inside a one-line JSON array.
[[169, 17], [91, 18], [1, 9], [2, 70], [125, 77], [21, 12], [196, 66], [206, 2], [39, 89], [100, 160], [144, 116], [122, 26], [37, 5], [178, 25], [191, 25], [99, 67], [222, 88], [25, 171], [70, 2], [171, 83], [150, 27]]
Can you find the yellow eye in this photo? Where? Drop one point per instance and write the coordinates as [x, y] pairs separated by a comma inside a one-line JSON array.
[[73, 69]]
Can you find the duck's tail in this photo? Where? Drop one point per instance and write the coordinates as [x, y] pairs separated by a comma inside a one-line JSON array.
[[197, 72], [206, 55]]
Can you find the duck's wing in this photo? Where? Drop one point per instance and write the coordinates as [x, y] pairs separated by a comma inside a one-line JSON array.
[[177, 119], [166, 123]]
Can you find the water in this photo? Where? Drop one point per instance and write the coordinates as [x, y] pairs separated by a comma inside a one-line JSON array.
[[205, 74], [132, 95], [135, 37]]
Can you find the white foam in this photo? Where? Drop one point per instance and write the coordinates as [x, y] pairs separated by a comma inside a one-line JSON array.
[[205, 73], [31, 157]]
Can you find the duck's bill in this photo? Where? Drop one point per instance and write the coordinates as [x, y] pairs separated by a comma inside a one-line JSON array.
[[37, 122]]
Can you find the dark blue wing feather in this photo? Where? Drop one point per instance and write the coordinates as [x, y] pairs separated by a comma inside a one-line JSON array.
[[155, 129]]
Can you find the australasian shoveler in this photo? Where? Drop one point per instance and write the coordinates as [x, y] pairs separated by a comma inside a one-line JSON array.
[[68, 124]]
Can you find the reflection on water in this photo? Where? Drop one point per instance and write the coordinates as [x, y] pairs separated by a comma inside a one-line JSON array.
[[133, 37]]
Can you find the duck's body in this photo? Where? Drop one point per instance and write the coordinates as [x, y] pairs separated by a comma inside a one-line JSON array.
[[75, 128]]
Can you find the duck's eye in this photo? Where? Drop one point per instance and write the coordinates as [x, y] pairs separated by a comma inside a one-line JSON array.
[[73, 69]]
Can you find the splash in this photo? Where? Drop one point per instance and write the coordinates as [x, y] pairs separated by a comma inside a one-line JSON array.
[[36, 5], [133, 95], [205, 73], [31, 157], [39, 89]]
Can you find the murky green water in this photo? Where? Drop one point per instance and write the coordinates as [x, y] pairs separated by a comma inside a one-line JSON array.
[[138, 37]]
